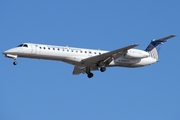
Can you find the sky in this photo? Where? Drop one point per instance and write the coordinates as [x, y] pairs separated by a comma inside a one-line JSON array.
[[42, 89]]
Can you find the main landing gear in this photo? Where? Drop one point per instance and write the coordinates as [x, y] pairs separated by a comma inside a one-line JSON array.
[[103, 69], [90, 74], [102, 66]]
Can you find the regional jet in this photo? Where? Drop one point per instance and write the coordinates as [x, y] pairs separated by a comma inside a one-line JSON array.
[[87, 60]]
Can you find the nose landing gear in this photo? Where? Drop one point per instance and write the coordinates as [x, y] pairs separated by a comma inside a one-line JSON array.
[[15, 63]]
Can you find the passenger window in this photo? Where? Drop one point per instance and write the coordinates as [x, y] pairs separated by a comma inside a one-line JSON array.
[[44, 47], [53, 48], [58, 49], [85, 51], [49, 48], [94, 52], [40, 47]]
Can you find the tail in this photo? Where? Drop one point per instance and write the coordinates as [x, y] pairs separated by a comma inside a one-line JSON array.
[[154, 46]]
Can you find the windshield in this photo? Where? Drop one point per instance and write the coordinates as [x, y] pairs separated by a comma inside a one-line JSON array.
[[22, 45], [25, 45]]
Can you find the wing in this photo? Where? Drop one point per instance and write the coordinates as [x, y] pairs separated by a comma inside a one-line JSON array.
[[106, 56], [92, 62]]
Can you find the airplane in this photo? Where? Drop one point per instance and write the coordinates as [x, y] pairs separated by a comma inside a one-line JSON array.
[[87, 60]]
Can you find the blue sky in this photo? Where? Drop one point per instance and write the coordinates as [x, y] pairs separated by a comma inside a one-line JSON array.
[[39, 89]]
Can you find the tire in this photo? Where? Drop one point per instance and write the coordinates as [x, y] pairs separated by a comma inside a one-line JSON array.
[[90, 75], [102, 69], [15, 63]]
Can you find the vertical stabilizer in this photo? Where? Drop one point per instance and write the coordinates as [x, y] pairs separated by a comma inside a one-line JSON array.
[[154, 46]]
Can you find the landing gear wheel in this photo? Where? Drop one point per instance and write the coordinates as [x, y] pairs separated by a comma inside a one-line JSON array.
[[102, 69], [15, 63], [90, 75]]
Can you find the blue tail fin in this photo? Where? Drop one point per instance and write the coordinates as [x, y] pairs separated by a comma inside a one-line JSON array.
[[154, 46], [153, 49]]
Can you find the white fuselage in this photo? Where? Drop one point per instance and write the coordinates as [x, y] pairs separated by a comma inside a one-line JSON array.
[[72, 55], [87, 60]]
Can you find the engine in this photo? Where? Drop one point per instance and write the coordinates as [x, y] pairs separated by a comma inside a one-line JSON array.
[[136, 54]]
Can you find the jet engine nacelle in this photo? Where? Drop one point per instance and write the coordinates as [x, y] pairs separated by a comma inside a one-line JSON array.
[[136, 54]]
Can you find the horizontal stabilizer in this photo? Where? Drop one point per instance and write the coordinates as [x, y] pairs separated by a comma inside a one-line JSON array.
[[164, 39]]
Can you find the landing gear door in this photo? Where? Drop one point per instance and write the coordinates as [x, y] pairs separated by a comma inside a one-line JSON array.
[[33, 49]]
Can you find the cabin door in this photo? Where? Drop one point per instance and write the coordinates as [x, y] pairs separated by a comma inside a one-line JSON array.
[[33, 49]]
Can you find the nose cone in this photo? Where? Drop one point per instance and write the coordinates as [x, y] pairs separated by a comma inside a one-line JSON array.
[[10, 51], [5, 52]]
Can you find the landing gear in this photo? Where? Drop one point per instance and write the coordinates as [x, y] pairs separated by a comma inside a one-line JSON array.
[[15, 63], [102, 69], [90, 75], [102, 66]]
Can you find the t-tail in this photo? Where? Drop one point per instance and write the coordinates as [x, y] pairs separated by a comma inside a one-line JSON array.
[[154, 46]]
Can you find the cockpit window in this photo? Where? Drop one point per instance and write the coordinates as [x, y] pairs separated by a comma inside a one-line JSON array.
[[20, 45], [25, 45]]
